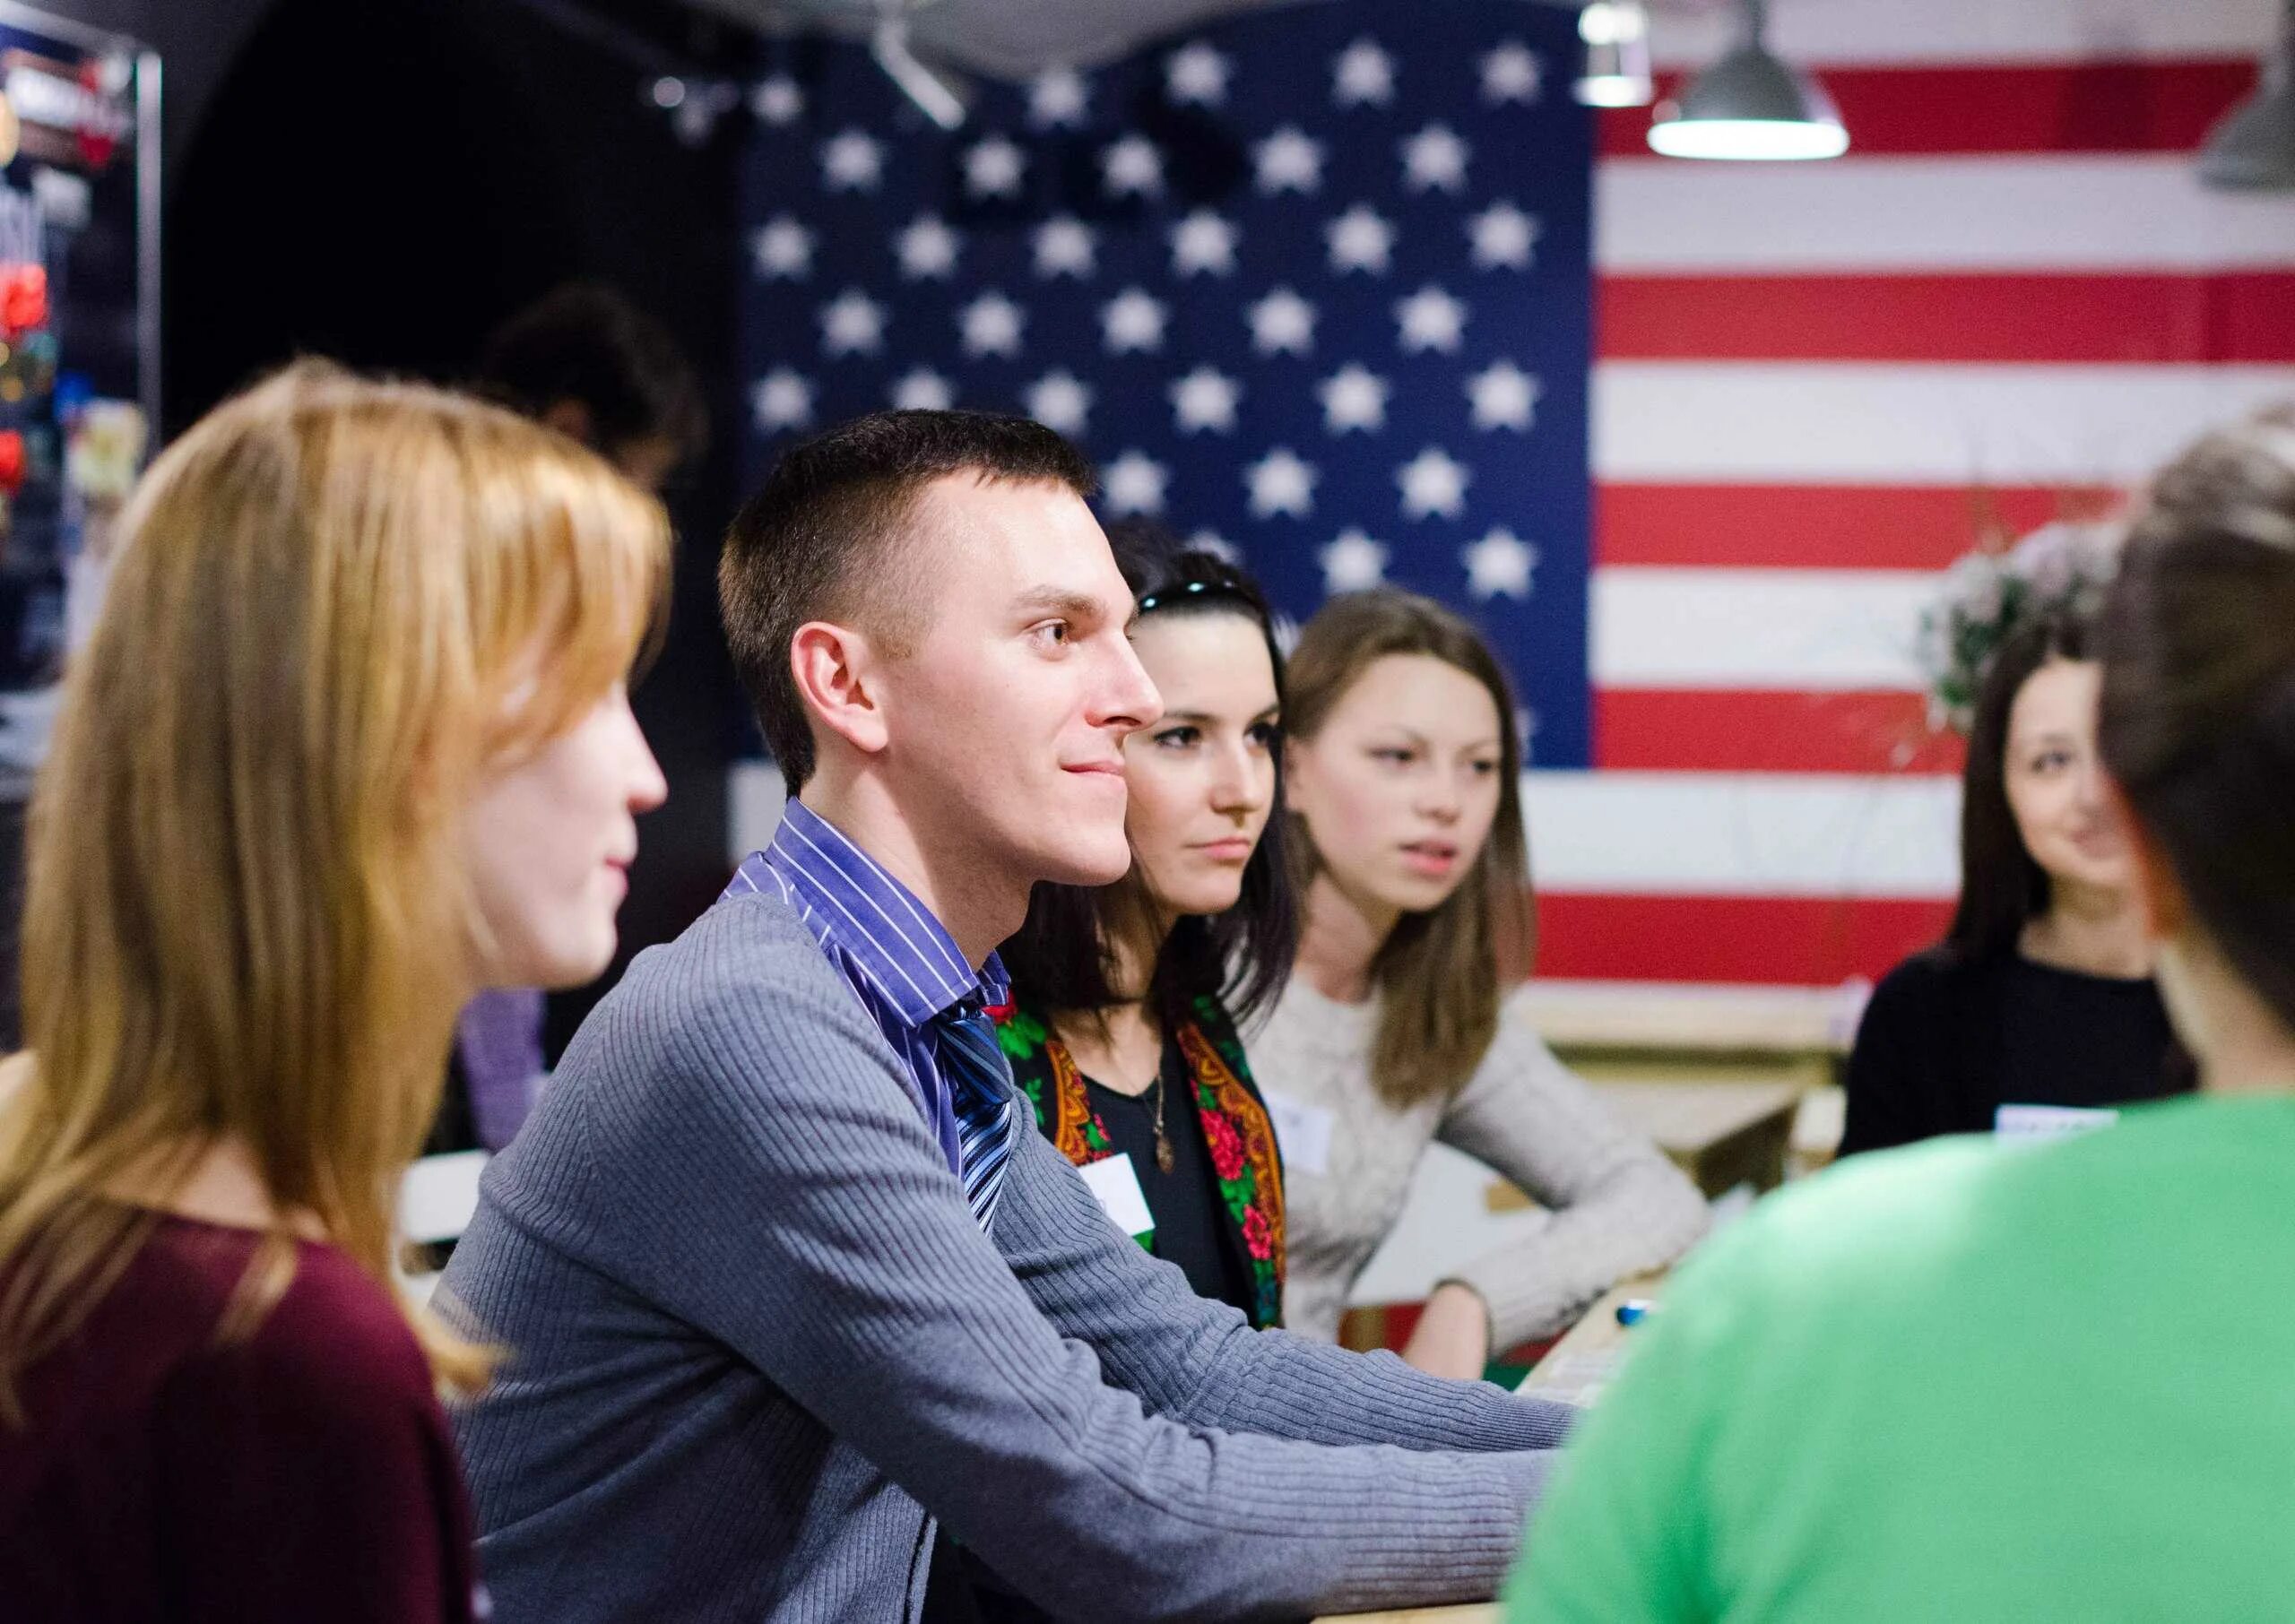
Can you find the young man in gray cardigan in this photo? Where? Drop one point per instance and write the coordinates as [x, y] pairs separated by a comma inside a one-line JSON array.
[[782, 1275]]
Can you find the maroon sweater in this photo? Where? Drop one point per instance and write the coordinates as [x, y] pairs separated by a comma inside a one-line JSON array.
[[303, 1473]]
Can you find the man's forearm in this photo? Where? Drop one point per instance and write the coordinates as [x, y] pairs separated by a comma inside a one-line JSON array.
[[1287, 1386]]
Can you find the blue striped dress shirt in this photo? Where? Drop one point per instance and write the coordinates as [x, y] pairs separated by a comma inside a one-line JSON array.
[[906, 969]]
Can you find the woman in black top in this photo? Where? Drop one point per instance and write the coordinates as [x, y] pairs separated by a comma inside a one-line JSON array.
[[2042, 993], [1122, 1032], [1125, 999]]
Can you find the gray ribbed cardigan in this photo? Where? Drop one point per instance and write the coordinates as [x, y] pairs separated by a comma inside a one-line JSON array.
[[755, 1333]]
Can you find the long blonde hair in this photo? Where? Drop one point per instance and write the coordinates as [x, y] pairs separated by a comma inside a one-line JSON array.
[[335, 601]]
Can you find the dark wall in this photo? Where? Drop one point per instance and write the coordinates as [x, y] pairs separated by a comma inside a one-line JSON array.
[[382, 182]]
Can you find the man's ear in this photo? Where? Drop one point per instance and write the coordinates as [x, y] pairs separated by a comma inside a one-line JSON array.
[[2158, 892], [838, 676]]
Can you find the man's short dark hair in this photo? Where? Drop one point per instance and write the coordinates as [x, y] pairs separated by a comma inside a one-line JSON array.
[[586, 344], [831, 517]]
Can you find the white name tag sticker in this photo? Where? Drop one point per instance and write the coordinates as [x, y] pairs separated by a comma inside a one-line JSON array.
[[2027, 1124], [1115, 1186], [1302, 1132]]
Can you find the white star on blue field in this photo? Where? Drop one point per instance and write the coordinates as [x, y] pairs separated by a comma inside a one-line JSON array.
[[1311, 286]]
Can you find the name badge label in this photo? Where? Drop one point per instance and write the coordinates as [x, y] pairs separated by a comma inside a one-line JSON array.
[[2028, 1123], [1115, 1184], [1302, 1132]]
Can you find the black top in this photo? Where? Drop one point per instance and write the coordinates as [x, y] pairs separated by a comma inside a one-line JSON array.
[[1190, 1221], [1944, 1043]]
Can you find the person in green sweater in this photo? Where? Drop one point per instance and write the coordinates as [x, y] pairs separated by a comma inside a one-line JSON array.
[[1969, 1381]]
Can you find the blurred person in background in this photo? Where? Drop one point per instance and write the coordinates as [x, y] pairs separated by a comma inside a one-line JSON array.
[[2042, 991], [591, 365]]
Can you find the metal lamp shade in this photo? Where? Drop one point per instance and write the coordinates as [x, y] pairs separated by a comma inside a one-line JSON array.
[[1749, 105], [2253, 148]]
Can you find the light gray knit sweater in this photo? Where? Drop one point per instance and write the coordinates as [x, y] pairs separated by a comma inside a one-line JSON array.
[[757, 1343], [1618, 1207]]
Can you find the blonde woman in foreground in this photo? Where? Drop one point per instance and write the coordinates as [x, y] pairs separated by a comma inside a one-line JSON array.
[[350, 742]]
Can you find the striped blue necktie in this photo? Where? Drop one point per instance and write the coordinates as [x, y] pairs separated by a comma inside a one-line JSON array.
[[980, 1087]]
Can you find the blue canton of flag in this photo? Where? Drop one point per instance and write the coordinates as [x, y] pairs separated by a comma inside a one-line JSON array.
[[1311, 287]]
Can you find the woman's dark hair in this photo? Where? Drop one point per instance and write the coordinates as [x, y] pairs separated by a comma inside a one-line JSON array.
[[1440, 973], [2001, 888], [2198, 711], [1062, 960]]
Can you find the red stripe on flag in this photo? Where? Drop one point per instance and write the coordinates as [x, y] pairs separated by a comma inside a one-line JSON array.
[[1819, 526], [2088, 107], [1793, 941], [2243, 316], [1665, 730]]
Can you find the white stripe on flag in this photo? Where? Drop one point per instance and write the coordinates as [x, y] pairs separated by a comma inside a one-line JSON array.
[[2118, 212], [1812, 630], [1816, 423], [1744, 835]]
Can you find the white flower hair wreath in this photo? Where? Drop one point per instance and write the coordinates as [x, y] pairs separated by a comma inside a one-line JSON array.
[[2061, 567]]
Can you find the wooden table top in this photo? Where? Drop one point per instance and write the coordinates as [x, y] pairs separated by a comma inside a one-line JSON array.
[[1576, 1368]]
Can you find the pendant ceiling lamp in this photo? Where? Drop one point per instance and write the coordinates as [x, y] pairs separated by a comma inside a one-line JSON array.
[[1750, 105], [1616, 33], [2253, 147]]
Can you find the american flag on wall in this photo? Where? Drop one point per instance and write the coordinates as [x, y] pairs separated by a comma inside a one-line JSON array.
[[1315, 283], [1813, 383], [1312, 286]]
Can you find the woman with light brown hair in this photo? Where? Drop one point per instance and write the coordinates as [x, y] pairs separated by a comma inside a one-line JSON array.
[[350, 742], [1403, 772]]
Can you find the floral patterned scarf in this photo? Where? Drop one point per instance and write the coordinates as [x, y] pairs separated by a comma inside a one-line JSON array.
[[1235, 1129]]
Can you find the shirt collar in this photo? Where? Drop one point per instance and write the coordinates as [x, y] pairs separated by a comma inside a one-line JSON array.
[[906, 954]]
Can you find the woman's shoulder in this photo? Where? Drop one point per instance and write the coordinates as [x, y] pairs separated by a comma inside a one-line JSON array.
[[1931, 979], [1301, 1029], [1520, 1086], [334, 1350], [1866, 1234], [229, 1343], [1942, 965], [1918, 1223]]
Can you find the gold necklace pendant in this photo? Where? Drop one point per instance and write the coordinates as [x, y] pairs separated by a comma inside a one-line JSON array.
[[1163, 1157]]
